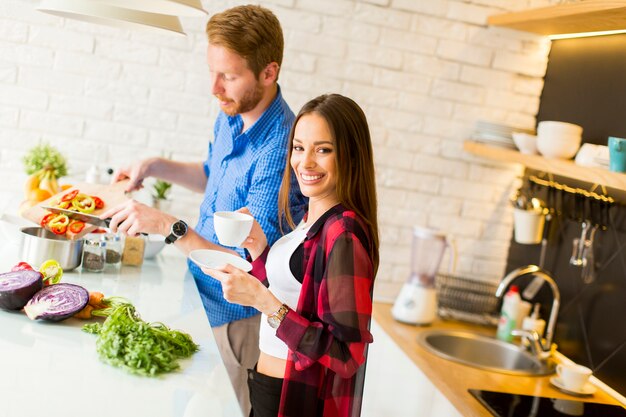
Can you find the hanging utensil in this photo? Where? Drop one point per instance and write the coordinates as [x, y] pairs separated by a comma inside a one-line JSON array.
[[589, 271], [579, 244]]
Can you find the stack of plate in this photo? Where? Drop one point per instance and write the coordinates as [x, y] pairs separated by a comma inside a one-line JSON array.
[[496, 134], [590, 155]]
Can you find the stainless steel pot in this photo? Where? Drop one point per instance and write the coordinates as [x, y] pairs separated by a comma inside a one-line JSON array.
[[39, 245]]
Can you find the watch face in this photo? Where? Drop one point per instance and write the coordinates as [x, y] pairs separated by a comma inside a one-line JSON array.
[[273, 322], [179, 228]]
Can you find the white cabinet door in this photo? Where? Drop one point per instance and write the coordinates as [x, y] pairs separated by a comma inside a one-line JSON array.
[[395, 386]]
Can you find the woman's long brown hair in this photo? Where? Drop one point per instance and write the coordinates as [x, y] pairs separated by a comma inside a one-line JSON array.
[[356, 184]]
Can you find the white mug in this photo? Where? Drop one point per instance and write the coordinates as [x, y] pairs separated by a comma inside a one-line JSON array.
[[232, 227], [573, 377]]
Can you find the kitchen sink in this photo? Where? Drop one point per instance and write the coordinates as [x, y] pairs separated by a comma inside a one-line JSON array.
[[483, 352]]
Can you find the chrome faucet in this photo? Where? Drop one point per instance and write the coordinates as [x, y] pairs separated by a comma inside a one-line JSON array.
[[545, 275]]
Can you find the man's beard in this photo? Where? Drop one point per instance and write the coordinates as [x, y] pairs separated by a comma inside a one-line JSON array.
[[248, 102]]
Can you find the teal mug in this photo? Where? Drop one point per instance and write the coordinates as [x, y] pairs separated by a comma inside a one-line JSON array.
[[617, 154]]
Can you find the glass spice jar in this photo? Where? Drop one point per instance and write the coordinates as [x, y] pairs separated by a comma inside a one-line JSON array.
[[113, 250], [94, 251]]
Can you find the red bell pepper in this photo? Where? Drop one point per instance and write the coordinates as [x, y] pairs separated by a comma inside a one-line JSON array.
[[47, 219], [69, 196], [98, 201], [22, 266], [76, 226]]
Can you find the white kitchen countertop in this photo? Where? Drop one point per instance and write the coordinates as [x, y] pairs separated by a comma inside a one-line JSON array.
[[53, 369]]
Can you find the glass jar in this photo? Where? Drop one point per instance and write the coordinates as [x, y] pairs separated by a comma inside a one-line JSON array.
[[113, 250], [94, 251]]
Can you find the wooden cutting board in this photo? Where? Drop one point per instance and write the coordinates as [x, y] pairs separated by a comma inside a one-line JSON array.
[[111, 194]]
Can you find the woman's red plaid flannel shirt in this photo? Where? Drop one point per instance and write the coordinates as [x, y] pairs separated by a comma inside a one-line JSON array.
[[328, 334]]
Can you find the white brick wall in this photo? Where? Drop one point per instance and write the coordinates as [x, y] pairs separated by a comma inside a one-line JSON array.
[[423, 70]]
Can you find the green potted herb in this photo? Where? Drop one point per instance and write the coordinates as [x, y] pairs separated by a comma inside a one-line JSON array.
[[160, 191]]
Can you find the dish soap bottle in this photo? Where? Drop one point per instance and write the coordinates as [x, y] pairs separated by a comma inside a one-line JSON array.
[[508, 314], [534, 322]]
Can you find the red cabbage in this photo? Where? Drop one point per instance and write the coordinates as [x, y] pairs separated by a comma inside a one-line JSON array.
[[57, 302], [17, 287]]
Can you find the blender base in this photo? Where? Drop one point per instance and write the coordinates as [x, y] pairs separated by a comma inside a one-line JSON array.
[[415, 305]]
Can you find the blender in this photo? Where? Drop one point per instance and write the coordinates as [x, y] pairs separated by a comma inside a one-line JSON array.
[[417, 301]]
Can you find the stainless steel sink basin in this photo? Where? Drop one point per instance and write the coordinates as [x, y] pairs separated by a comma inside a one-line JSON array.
[[483, 352]]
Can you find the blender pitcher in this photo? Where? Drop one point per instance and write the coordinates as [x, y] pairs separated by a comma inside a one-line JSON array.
[[417, 301]]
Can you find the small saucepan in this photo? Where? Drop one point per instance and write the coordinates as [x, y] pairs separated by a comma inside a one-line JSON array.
[[39, 245]]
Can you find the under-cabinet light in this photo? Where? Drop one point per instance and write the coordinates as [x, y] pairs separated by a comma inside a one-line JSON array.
[[586, 34]]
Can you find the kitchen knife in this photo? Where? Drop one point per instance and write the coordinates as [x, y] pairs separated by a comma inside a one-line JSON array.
[[83, 217], [87, 218]]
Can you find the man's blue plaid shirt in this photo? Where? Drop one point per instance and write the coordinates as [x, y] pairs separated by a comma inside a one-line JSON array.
[[244, 170]]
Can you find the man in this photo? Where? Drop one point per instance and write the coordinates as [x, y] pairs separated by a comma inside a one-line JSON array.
[[244, 168]]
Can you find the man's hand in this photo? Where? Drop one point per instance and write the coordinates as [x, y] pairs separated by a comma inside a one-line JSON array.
[[135, 173], [132, 218]]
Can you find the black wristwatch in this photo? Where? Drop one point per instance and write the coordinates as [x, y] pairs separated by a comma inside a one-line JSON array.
[[178, 230]]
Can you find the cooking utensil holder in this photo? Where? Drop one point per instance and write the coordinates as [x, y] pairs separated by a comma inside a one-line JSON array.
[[528, 226]]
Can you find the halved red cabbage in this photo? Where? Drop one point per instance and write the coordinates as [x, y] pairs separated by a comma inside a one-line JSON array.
[[57, 302], [17, 287]]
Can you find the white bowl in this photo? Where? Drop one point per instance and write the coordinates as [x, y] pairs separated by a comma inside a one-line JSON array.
[[561, 147], [553, 128], [154, 245], [526, 143]]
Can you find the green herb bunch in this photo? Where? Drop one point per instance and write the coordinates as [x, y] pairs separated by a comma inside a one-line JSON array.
[[126, 341], [161, 189], [45, 157]]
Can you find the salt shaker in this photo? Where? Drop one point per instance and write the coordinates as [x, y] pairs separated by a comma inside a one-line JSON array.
[[94, 251]]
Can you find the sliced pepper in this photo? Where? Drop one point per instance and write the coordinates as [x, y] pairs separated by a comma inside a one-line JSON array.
[[47, 219], [76, 226], [59, 229], [84, 203], [51, 271], [64, 204], [58, 224], [69, 196], [98, 201]]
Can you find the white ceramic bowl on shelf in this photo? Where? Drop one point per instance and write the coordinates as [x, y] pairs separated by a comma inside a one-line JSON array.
[[525, 142], [554, 128], [560, 147], [558, 139]]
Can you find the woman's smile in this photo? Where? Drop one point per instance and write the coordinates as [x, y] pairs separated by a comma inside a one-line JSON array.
[[313, 159]]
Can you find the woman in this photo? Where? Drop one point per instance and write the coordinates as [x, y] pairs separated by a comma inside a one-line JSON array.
[[317, 306]]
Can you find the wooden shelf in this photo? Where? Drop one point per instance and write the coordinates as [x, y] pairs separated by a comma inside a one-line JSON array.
[[583, 16], [562, 167]]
